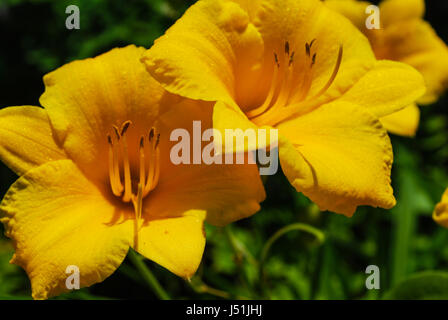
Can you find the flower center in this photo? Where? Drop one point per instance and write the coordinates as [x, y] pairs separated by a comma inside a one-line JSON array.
[[287, 95], [122, 183]]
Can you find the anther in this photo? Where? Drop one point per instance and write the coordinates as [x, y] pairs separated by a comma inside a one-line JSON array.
[[151, 134], [125, 127], [276, 60], [291, 60], [117, 132], [157, 141], [287, 47]]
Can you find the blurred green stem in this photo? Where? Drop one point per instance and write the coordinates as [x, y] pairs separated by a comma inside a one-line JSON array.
[[241, 253], [238, 247], [149, 277], [200, 287], [292, 227]]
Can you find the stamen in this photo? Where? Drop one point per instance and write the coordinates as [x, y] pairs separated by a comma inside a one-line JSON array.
[[125, 127], [127, 168], [276, 60], [333, 75], [117, 132], [111, 168], [313, 61], [157, 141], [308, 76], [291, 60], [142, 161], [154, 169], [267, 103], [285, 91], [117, 177], [147, 180], [137, 201]]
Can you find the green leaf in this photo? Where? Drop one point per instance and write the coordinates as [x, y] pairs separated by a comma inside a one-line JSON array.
[[428, 285]]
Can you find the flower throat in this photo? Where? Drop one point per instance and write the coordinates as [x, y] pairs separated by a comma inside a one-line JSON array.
[[123, 184], [288, 96]]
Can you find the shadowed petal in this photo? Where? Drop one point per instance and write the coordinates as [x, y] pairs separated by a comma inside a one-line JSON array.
[[56, 218], [338, 164]]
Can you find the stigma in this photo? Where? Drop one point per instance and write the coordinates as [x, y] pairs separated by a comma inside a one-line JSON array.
[[125, 185]]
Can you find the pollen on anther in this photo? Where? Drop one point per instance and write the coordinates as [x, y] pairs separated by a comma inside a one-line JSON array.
[[291, 60], [276, 60], [157, 141], [125, 127]]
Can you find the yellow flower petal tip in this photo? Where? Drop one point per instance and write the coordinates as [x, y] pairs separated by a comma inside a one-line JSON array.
[[321, 87], [404, 122], [440, 214], [96, 177]]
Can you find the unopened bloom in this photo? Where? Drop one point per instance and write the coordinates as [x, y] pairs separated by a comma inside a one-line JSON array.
[[304, 69], [440, 214], [96, 176], [403, 36]]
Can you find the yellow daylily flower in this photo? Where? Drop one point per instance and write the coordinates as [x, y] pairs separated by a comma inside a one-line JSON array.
[[440, 214], [96, 176], [403, 36], [304, 69]]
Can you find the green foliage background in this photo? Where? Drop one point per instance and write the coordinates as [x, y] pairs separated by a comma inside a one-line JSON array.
[[409, 248]]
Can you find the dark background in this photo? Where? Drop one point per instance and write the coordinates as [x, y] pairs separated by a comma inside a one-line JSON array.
[[409, 248]]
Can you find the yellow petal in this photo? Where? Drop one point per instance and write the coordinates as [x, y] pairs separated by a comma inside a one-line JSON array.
[[339, 156], [393, 11], [354, 10], [440, 214], [227, 192], [387, 88], [404, 122], [197, 57], [56, 218], [416, 43], [231, 119], [85, 98], [26, 139], [175, 243]]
